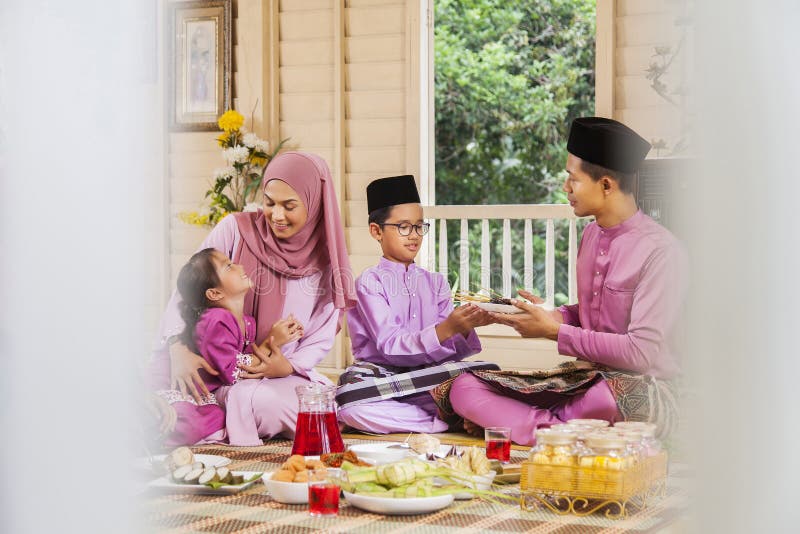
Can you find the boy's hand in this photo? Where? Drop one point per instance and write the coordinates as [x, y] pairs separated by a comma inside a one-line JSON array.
[[284, 331], [461, 321]]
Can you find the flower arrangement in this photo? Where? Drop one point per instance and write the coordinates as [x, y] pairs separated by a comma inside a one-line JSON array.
[[235, 186]]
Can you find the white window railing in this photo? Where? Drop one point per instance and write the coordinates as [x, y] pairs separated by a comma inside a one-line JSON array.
[[436, 246]]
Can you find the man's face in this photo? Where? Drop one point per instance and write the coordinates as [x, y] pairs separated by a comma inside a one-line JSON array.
[[585, 195]]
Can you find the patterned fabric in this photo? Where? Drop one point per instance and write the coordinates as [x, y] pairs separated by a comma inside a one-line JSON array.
[[173, 395], [638, 397], [254, 510], [368, 382]]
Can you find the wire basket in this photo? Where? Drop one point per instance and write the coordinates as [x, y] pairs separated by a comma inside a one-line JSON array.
[[572, 489]]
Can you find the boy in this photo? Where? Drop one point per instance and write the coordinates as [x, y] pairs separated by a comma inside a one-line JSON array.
[[405, 334]]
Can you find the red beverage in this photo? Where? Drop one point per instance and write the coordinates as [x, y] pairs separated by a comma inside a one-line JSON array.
[[499, 449], [317, 433], [323, 499]]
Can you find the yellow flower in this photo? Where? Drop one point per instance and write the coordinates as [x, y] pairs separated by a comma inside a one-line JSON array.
[[222, 139], [231, 120]]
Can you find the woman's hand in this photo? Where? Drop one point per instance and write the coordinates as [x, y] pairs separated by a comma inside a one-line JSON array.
[[273, 364], [183, 370], [284, 331], [163, 412]]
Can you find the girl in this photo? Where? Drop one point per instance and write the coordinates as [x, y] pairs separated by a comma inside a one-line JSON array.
[[212, 289]]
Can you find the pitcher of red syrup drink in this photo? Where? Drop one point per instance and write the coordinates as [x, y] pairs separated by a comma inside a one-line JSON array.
[[317, 431]]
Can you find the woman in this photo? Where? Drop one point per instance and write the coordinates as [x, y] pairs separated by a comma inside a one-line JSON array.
[[294, 253]]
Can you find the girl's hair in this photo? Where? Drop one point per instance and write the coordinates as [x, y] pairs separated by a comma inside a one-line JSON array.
[[198, 275]]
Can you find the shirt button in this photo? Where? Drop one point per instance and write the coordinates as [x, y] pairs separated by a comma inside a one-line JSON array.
[[413, 294], [414, 315], [597, 273], [602, 252], [595, 293]]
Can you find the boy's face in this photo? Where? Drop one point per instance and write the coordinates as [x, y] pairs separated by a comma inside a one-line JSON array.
[[398, 248], [586, 196]]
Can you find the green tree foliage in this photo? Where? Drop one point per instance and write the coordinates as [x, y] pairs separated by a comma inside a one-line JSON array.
[[510, 77]]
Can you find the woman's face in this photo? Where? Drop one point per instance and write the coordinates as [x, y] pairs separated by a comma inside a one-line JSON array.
[[285, 212]]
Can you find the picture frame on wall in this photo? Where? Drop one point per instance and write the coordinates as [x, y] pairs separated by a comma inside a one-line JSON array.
[[199, 63]]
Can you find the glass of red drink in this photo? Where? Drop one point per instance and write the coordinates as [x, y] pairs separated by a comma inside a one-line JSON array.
[[498, 443], [317, 431], [323, 492]]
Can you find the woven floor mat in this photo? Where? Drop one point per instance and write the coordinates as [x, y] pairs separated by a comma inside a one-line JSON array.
[[253, 510]]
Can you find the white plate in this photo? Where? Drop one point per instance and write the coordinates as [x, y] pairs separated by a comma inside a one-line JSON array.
[[209, 460], [165, 483], [478, 482], [381, 452], [392, 506], [498, 308]]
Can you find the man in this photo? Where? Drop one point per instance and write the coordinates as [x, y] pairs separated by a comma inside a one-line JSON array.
[[631, 278]]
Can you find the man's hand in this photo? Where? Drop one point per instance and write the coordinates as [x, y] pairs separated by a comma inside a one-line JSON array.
[[532, 322], [555, 314], [183, 371], [272, 364]]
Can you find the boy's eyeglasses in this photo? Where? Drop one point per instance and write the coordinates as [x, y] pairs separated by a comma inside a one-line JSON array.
[[404, 229]]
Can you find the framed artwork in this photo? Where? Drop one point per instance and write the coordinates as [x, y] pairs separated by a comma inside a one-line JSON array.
[[199, 63]]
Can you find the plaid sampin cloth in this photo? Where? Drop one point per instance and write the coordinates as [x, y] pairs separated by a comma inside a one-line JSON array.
[[365, 382]]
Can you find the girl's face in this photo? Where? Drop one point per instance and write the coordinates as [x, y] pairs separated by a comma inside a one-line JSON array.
[[285, 212], [232, 278]]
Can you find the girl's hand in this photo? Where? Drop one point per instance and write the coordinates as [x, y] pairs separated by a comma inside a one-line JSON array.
[[285, 331], [183, 370], [273, 364]]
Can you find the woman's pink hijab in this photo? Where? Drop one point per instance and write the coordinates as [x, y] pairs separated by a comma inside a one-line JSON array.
[[318, 247]]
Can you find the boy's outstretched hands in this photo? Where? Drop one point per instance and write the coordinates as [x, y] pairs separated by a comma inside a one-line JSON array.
[[462, 320], [285, 331]]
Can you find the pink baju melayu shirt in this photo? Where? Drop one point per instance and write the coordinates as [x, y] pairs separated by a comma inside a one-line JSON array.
[[631, 282]]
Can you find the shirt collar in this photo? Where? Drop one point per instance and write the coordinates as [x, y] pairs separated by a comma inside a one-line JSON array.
[[396, 267], [625, 226]]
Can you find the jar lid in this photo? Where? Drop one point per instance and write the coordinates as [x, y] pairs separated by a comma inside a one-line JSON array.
[[554, 437], [605, 441], [594, 423], [632, 437], [563, 427]]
